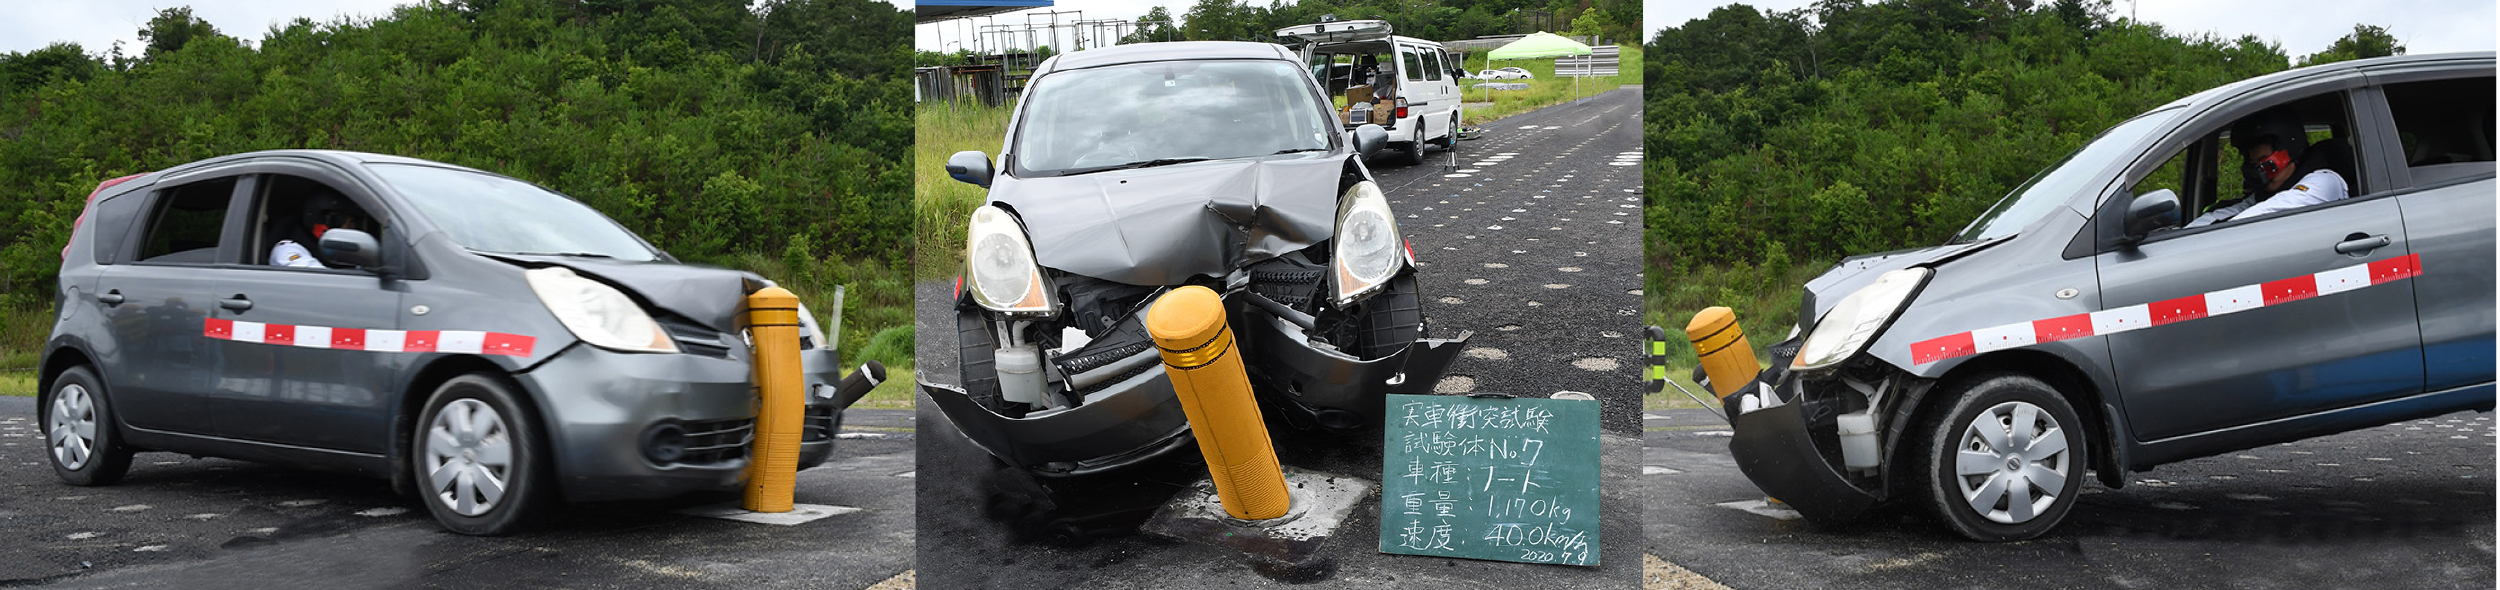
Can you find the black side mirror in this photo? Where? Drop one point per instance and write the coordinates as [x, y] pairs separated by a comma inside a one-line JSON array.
[[351, 247], [2151, 211], [970, 167], [1369, 138]]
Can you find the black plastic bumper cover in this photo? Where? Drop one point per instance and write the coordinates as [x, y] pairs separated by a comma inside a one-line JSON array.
[[1282, 355], [1774, 449]]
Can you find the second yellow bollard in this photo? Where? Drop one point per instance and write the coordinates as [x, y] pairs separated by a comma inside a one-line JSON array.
[[1725, 355], [1205, 367], [781, 414]]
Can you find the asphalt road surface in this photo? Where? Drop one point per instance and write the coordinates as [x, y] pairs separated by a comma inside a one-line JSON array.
[[1536, 249], [182, 522], [2407, 505]]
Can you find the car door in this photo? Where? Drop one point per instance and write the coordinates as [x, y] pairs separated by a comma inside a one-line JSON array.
[[2443, 147], [2256, 319], [159, 369], [304, 364]]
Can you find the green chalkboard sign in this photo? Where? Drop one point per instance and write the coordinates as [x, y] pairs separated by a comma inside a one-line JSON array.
[[1490, 478]]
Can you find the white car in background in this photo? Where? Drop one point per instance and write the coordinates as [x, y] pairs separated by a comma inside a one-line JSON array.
[[1506, 74]]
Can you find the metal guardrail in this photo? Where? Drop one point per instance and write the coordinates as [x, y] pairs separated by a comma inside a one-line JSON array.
[[1603, 61]]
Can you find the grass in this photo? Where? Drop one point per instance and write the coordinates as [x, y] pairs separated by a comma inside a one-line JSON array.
[[940, 204], [1764, 298]]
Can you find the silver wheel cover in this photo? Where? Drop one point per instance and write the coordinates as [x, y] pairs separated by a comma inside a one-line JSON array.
[[2011, 463], [73, 427], [468, 457]]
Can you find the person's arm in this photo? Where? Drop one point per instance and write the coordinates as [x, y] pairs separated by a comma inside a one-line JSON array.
[[2316, 188], [290, 254]]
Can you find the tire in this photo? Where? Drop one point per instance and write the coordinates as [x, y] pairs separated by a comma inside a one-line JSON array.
[[1390, 320], [1449, 141], [470, 422], [976, 362], [2027, 490], [1414, 150], [80, 432]]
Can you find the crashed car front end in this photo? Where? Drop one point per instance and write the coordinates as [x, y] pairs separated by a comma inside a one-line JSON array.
[[1060, 376]]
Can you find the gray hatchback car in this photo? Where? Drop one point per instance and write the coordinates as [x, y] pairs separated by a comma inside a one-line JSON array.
[[2085, 322], [486, 344]]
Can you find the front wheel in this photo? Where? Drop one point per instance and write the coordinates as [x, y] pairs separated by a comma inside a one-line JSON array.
[[2004, 461], [80, 437], [481, 464]]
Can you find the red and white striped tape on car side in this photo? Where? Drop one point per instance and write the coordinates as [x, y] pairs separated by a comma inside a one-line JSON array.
[[455, 341], [2168, 311]]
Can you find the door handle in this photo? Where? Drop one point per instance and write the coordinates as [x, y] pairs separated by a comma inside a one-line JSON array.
[[238, 303], [2357, 244], [113, 297]]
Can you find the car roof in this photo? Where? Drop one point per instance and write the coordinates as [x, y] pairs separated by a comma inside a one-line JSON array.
[[2226, 92], [1169, 51], [342, 158]]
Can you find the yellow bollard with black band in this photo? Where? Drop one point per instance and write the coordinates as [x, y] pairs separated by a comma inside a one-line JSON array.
[[1188, 326], [772, 321], [1725, 355]]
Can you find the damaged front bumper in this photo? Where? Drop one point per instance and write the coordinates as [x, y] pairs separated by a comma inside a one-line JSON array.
[[1779, 449], [600, 405], [1135, 417]]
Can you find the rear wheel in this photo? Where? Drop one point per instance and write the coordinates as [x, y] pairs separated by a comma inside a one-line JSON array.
[[481, 464], [85, 448], [2004, 460]]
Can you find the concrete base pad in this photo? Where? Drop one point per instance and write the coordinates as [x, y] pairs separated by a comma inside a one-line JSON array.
[[798, 514], [1321, 501]]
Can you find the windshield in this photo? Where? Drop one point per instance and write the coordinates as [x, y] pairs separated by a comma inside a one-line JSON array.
[[1147, 114], [2052, 188], [488, 213]]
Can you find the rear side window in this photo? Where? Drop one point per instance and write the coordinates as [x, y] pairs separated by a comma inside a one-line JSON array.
[[1432, 66], [2445, 127], [1414, 64], [111, 224], [186, 223]]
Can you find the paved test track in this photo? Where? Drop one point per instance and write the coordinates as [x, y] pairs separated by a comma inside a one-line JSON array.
[[182, 522], [2407, 505], [1536, 249]]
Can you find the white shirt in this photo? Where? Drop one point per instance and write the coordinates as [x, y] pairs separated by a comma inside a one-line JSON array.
[[289, 253], [2321, 186]]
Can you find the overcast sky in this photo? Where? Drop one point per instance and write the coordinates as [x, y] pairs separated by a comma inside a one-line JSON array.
[[950, 35], [2300, 27], [96, 24]]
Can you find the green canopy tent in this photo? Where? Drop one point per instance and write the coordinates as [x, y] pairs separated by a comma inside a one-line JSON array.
[[1539, 45]]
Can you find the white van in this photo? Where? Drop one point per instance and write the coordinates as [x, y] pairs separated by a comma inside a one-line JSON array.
[[1406, 85]]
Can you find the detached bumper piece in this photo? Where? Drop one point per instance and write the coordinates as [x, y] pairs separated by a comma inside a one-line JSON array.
[[1109, 432], [1335, 388], [1775, 449]]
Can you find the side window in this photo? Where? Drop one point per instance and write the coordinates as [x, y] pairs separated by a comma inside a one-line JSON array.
[[111, 223], [2445, 127], [1432, 66], [2217, 182], [1414, 64], [186, 222], [297, 209]]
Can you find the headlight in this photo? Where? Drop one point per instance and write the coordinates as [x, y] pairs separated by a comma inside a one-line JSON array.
[[1367, 247], [1857, 318], [597, 313], [1002, 275]]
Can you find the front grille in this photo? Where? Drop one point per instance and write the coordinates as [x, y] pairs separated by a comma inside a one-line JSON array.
[[696, 339], [711, 442]]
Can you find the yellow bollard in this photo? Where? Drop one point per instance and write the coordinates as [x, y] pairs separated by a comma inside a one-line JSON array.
[[1205, 367], [773, 466], [1725, 355]]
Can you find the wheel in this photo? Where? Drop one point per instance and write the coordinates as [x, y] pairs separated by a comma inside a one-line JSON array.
[[2004, 461], [481, 464], [1414, 149], [78, 426], [1449, 141]]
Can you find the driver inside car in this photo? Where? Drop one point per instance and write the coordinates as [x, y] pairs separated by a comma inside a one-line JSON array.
[[323, 212], [2273, 144]]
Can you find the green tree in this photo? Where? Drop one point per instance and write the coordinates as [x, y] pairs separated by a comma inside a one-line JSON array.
[[2365, 41]]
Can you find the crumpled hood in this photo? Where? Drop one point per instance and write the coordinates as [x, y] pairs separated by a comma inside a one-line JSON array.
[[1162, 225], [1856, 272], [711, 296]]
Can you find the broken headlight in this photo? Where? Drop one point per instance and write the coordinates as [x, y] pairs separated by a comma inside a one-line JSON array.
[[1846, 329]]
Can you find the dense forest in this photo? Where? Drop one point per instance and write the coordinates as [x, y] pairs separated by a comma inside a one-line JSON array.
[[1444, 20], [769, 136], [1778, 142]]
